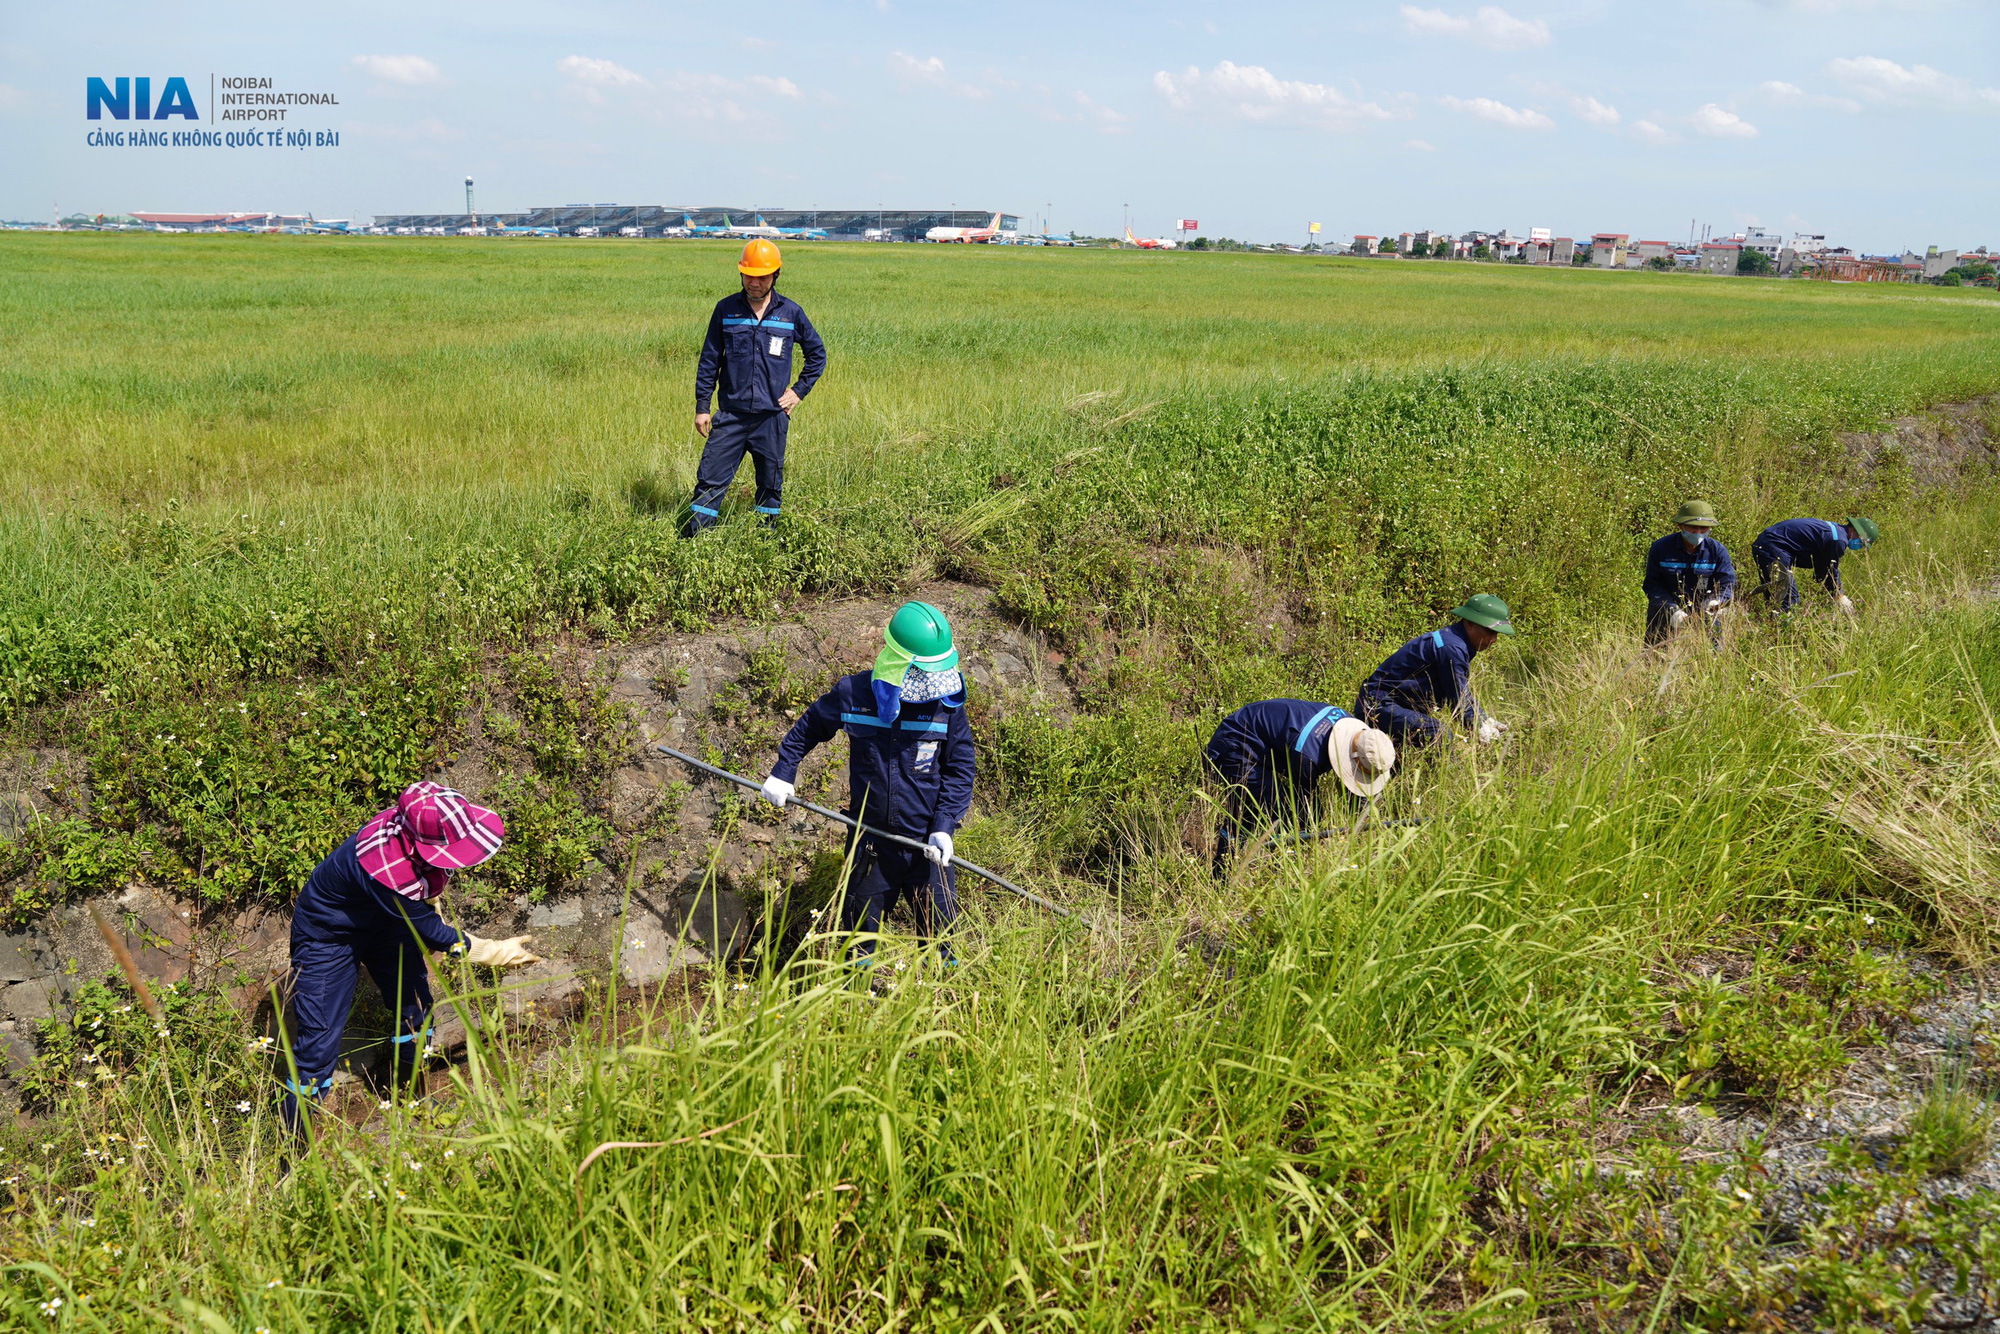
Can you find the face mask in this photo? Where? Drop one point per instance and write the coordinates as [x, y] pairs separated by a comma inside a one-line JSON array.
[[1855, 544], [1692, 539]]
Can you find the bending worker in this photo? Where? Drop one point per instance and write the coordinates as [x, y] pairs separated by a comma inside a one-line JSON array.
[[1818, 545], [1270, 755], [1687, 569], [746, 360], [368, 906], [909, 772], [1433, 672]]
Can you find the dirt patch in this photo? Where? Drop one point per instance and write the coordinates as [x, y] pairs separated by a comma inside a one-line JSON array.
[[1936, 448]]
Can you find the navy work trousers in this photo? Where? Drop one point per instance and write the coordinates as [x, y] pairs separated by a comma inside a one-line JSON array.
[[884, 874], [324, 974], [1405, 726], [730, 436], [1776, 581]]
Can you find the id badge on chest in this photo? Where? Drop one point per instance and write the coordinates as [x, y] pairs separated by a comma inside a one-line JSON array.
[[777, 345], [926, 756]]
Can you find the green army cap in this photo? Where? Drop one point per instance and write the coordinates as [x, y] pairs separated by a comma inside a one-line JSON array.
[[1697, 512], [1487, 610], [1865, 528]]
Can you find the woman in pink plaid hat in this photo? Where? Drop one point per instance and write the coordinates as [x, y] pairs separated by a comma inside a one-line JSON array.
[[368, 905]]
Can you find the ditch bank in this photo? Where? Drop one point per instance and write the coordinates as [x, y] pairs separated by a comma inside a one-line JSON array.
[[701, 860]]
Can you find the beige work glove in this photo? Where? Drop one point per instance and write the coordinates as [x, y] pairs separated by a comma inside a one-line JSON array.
[[1490, 730], [509, 953], [1845, 605], [1677, 618]]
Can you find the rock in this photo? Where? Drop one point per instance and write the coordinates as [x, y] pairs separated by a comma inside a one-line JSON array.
[[17, 815], [635, 793], [17, 959], [517, 996], [16, 1051], [650, 953], [29, 1002], [567, 913]]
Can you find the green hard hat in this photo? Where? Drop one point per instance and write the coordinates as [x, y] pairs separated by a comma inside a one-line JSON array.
[[920, 630], [1487, 610], [1865, 528], [1698, 512]]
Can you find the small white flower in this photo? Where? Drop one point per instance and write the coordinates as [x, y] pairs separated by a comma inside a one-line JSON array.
[[401, 1196], [86, 1222], [51, 1306], [274, 1283], [449, 1152], [243, 1106], [1867, 919], [385, 1104]]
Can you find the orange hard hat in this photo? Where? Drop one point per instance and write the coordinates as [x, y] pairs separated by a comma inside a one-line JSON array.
[[759, 258]]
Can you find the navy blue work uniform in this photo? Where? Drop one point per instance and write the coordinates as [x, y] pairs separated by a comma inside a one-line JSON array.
[[747, 363], [343, 921], [1816, 544], [1680, 576], [1431, 672], [912, 777], [1269, 756]]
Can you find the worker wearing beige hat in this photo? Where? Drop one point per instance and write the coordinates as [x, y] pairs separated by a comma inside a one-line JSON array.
[[1269, 756]]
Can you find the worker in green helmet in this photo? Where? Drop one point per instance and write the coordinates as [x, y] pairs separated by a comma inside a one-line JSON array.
[[1433, 673], [909, 771], [1688, 572]]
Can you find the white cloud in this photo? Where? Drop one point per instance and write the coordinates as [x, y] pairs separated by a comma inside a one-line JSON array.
[[1713, 122], [1780, 93], [1485, 108], [409, 71], [932, 72], [1103, 117], [1419, 146], [1594, 112], [1251, 92], [1648, 132], [1489, 26], [1886, 82], [598, 73], [685, 96]]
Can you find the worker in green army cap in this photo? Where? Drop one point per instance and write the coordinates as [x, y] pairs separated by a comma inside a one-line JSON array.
[[1817, 544], [909, 773], [1432, 674], [1688, 571]]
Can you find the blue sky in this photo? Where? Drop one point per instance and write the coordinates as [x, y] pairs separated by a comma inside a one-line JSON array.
[[1873, 121]]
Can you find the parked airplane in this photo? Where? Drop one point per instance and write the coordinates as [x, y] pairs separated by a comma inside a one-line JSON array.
[[1150, 243], [966, 235], [529, 231], [758, 228], [689, 227]]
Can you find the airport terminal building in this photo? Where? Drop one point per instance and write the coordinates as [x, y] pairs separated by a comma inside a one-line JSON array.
[[660, 220]]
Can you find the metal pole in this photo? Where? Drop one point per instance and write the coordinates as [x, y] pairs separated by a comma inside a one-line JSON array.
[[854, 824]]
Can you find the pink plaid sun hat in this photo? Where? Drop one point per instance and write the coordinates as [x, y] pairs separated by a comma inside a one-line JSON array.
[[429, 832]]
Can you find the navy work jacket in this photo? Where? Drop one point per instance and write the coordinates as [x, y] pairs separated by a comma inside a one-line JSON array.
[[1675, 574], [1275, 744], [912, 779], [750, 360], [1817, 544], [1431, 672], [344, 905]]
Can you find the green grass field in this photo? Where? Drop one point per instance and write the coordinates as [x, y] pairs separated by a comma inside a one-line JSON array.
[[260, 489]]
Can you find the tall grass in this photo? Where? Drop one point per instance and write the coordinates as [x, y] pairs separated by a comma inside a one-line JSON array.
[[1306, 1130]]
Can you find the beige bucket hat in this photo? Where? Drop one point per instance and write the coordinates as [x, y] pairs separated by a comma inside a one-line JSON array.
[[1361, 755]]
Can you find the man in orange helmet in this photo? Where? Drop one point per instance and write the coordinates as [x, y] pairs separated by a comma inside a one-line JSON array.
[[747, 356]]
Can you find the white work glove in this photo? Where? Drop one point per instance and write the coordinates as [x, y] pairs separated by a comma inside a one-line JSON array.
[[777, 791], [1490, 730], [1712, 606], [509, 953], [1844, 605], [939, 849], [1677, 618]]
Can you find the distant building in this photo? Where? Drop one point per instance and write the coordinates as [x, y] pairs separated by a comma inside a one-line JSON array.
[[1646, 251], [1720, 256], [1937, 263], [1424, 239], [1363, 245], [1844, 266], [1607, 249], [1768, 244], [1562, 250]]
